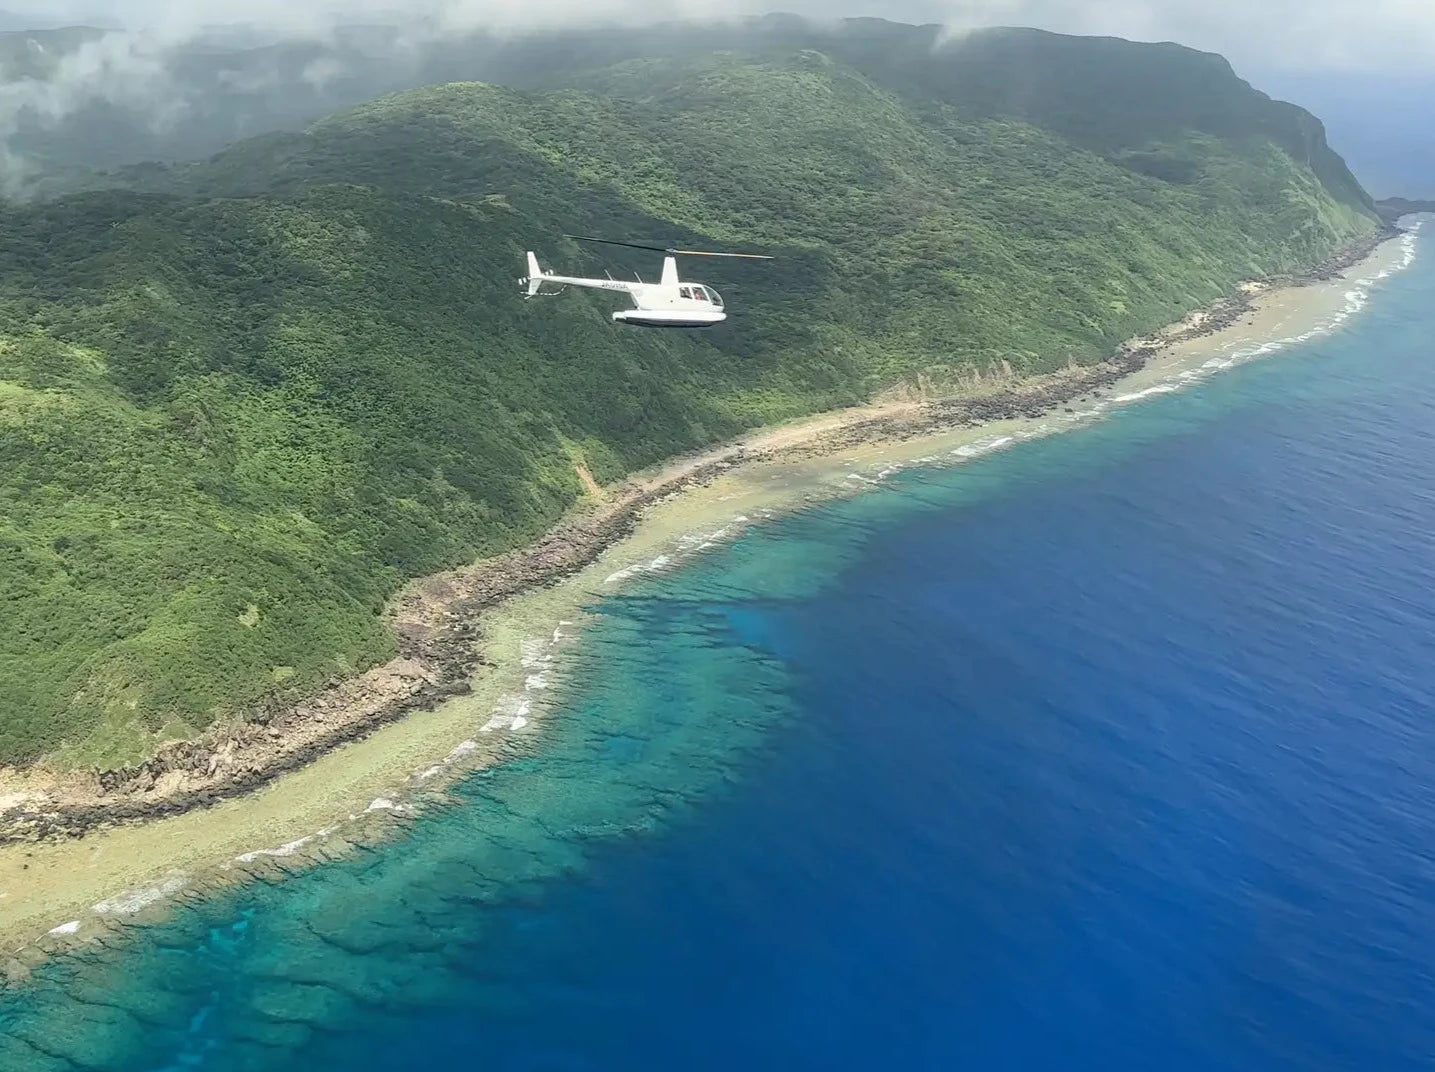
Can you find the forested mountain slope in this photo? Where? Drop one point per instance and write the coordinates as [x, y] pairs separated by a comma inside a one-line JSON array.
[[242, 400]]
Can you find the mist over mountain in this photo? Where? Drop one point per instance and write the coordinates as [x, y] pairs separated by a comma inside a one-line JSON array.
[[79, 99]]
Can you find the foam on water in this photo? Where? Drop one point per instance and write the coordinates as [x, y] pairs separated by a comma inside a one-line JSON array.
[[512, 710], [287, 849], [127, 904], [661, 562], [464, 748], [511, 714], [684, 548], [1136, 396], [985, 445], [703, 541], [1355, 300]]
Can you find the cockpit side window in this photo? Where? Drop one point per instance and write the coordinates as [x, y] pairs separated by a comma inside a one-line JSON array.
[[686, 292], [700, 293]]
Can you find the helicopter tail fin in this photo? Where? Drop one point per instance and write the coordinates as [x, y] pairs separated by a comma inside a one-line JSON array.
[[535, 276]]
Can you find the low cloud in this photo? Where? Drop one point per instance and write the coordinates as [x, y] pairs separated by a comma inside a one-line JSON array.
[[132, 67], [123, 69], [1375, 36], [1286, 34]]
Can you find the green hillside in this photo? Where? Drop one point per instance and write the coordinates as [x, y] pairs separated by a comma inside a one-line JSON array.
[[242, 400]]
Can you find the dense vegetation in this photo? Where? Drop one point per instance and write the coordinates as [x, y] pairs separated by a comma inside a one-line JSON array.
[[241, 400]]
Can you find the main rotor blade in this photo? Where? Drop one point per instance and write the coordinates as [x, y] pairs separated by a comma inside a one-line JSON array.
[[611, 242], [668, 250], [706, 253]]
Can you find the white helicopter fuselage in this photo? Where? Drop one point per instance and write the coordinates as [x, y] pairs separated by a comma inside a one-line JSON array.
[[671, 303]]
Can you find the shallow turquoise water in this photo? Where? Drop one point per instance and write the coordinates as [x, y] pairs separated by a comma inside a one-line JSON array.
[[1111, 750]]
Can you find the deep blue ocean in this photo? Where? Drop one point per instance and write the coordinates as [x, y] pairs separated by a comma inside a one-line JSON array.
[[1113, 750]]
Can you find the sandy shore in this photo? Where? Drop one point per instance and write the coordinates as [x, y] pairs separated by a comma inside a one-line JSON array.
[[352, 780]]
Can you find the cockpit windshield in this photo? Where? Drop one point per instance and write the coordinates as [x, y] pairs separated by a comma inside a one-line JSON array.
[[696, 292]]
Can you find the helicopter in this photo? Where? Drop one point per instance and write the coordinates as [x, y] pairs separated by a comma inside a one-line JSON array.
[[670, 303]]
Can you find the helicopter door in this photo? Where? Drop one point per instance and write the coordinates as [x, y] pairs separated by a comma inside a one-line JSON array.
[[686, 292]]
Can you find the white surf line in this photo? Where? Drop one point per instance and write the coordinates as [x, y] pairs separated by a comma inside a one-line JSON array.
[[291, 847], [287, 849], [1136, 396], [1356, 299], [652, 566], [128, 903], [511, 713], [697, 542], [460, 750], [132, 901], [684, 547], [378, 804], [512, 710], [985, 445]]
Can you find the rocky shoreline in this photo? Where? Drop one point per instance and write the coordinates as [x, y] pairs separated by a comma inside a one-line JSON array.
[[437, 619]]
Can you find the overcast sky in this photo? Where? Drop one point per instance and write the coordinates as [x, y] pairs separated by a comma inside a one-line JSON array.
[[1364, 35]]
